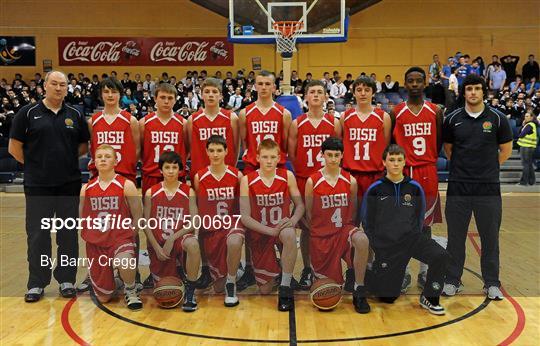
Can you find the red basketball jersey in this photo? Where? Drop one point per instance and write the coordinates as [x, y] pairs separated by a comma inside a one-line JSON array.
[[261, 126], [118, 135], [332, 204], [417, 133], [202, 128], [218, 196], [111, 207], [159, 137], [363, 141], [168, 210], [308, 148], [269, 204]]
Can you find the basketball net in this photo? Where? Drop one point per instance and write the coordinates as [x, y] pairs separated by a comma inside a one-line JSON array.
[[286, 33]]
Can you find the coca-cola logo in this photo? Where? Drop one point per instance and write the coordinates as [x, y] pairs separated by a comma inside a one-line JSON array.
[[219, 49], [131, 48], [103, 51], [169, 51]]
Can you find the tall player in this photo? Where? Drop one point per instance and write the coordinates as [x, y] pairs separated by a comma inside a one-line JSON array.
[[108, 200], [330, 205], [418, 129], [117, 128], [265, 197], [366, 133], [263, 119], [211, 120], [217, 187], [306, 135], [169, 202], [161, 131]]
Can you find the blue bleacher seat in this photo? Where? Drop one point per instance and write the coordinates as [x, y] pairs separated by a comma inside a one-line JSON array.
[[441, 164]]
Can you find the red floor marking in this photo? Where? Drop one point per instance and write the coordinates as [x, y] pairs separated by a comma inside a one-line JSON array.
[[520, 324], [67, 326]]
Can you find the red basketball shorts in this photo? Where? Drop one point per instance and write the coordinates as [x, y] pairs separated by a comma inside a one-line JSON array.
[[426, 175], [215, 248], [263, 256], [102, 266], [364, 181], [301, 182], [327, 252], [161, 269]]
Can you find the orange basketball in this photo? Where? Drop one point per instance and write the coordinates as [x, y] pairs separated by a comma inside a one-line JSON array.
[[169, 292], [325, 294]]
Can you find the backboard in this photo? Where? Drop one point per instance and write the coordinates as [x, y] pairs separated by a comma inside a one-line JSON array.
[[324, 20]]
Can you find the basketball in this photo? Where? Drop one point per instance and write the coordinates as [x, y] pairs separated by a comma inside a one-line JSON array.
[[169, 292], [325, 294]]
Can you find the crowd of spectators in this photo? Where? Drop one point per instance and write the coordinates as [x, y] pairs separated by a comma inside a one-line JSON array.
[[510, 92]]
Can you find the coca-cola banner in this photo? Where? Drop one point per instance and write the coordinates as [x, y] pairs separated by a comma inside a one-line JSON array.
[[142, 51]]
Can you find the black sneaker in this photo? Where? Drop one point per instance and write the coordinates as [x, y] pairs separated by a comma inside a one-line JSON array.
[[360, 302], [182, 274], [349, 280], [432, 306], [84, 285], [285, 298], [132, 299], [306, 279], [205, 279], [67, 290], [34, 295], [407, 280], [148, 282], [248, 279], [190, 302], [231, 299]]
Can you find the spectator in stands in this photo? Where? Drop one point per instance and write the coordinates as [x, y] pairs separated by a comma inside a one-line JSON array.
[[530, 69], [327, 81], [519, 111], [6, 117], [137, 79], [138, 94], [491, 67], [235, 101], [338, 90], [73, 85], [149, 84], [146, 101], [475, 68], [435, 91], [184, 112], [463, 69], [532, 86], [497, 78], [528, 140], [509, 64], [481, 64], [38, 79], [373, 77], [127, 83], [133, 110], [515, 85], [389, 85], [295, 81], [191, 101], [309, 78], [164, 78], [127, 99], [434, 69], [248, 98]]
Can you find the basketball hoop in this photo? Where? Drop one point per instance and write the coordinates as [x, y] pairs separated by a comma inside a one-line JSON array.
[[286, 33]]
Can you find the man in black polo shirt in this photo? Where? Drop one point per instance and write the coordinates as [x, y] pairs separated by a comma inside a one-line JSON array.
[[478, 139], [48, 138]]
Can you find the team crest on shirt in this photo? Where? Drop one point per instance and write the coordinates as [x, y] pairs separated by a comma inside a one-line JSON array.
[[69, 123], [407, 200], [487, 125]]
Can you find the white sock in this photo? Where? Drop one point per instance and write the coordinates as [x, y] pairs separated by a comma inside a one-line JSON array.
[[286, 279], [129, 287], [231, 279]]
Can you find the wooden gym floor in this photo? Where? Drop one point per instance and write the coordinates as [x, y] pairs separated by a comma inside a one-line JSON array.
[[469, 319]]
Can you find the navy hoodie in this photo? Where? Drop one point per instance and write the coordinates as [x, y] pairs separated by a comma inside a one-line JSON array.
[[392, 212]]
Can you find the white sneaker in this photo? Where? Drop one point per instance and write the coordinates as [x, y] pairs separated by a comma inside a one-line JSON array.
[[494, 293], [231, 299], [132, 299], [434, 309], [450, 290]]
